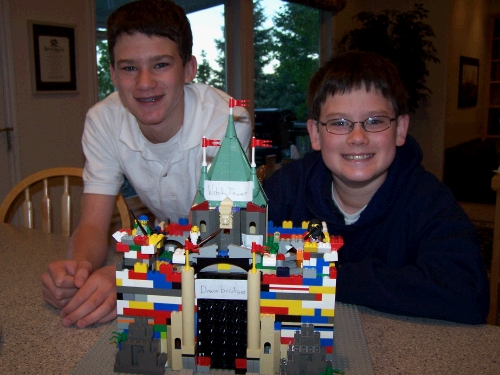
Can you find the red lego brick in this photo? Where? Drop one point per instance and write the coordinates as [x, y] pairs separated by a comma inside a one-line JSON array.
[[290, 280], [307, 256], [137, 275], [336, 242], [141, 240], [274, 310], [318, 297], [143, 256], [333, 272], [203, 361], [204, 206], [286, 340], [160, 317], [251, 207], [240, 363], [122, 248], [167, 269], [329, 349]]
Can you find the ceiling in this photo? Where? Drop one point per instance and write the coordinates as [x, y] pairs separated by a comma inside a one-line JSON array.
[[105, 7]]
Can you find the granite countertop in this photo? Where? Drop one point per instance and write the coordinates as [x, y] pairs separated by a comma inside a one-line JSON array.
[[33, 341]]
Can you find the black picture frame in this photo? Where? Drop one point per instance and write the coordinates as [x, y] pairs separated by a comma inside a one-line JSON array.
[[468, 82], [53, 58]]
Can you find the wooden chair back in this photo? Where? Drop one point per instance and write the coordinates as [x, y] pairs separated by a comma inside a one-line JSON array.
[[46, 210], [495, 259]]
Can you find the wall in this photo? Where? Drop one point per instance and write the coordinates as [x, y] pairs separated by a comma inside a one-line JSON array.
[[460, 29], [49, 127], [469, 37]]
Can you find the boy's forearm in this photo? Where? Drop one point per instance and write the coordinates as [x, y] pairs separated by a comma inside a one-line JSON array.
[[89, 243]]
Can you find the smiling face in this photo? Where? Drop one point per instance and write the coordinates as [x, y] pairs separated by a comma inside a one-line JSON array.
[[150, 78], [358, 160]]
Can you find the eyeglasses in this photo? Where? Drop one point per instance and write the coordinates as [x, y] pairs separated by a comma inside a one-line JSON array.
[[341, 126]]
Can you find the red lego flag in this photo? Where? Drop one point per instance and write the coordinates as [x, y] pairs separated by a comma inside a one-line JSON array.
[[209, 142], [256, 248], [238, 103], [261, 142]]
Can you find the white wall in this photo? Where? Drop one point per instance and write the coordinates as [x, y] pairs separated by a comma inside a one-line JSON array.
[[49, 127]]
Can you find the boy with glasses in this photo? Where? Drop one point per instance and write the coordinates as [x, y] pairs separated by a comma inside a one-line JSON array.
[[409, 248]]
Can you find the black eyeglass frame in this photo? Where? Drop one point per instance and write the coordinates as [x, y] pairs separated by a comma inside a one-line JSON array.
[[352, 123]]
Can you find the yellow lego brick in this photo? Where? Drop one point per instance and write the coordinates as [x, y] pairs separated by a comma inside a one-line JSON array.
[[310, 247], [300, 311], [287, 224], [140, 267], [281, 303], [322, 289], [305, 224], [141, 305], [118, 282], [156, 239], [328, 312], [223, 267]]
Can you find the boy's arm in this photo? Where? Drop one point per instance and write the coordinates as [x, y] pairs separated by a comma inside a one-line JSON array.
[[443, 278], [86, 292]]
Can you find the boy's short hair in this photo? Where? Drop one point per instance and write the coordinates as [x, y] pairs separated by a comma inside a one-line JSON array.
[[354, 70], [153, 18]]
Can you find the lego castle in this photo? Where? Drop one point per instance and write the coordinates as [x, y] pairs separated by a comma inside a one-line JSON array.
[[250, 297]]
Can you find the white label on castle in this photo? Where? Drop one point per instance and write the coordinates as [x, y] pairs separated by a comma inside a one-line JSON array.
[[220, 289], [234, 190]]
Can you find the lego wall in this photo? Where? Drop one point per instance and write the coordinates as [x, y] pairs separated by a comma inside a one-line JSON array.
[[461, 29]]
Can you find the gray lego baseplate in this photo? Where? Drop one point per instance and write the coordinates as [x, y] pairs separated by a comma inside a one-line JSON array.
[[350, 353]]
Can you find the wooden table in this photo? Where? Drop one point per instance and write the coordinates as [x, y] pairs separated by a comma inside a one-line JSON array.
[[34, 341]]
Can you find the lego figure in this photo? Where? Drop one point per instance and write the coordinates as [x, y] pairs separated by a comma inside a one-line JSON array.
[[150, 130], [194, 235], [408, 248], [140, 225], [314, 231]]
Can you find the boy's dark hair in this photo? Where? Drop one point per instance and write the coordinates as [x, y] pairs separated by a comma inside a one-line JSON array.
[[153, 18], [352, 71]]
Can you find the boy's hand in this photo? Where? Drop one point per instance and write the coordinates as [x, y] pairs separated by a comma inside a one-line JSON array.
[[95, 300], [58, 283]]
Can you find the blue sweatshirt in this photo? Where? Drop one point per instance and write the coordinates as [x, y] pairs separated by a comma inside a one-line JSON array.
[[413, 250]]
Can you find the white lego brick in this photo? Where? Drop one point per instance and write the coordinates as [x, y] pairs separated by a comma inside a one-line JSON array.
[[120, 305], [331, 257], [306, 263], [326, 281], [164, 299], [179, 257], [324, 247], [326, 270], [130, 255], [128, 282], [149, 249], [269, 261], [122, 274], [312, 262], [328, 297], [118, 235], [318, 304], [143, 283]]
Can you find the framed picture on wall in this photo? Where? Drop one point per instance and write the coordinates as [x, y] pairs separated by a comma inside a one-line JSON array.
[[53, 60], [468, 82]]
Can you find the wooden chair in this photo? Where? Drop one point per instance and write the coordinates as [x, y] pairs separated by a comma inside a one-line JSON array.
[[495, 259], [46, 213]]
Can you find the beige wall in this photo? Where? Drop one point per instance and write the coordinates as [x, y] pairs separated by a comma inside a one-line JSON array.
[[461, 29], [468, 37], [49, 127]]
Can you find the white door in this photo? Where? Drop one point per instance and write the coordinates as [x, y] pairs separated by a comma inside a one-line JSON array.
[[9, 167]]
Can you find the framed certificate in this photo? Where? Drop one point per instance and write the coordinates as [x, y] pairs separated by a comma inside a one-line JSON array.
[[53, 58]]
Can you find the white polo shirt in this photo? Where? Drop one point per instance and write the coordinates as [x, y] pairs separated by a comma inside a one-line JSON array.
[[114, 146]]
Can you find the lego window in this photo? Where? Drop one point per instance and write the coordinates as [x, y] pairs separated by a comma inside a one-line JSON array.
[[267, 348]]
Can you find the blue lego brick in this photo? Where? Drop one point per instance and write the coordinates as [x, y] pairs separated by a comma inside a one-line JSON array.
[[156, 335], [312, 282], [326, 342], [159, 281], [277, 326], [166, 307], [314, 319], [267, 295], [183, 221]]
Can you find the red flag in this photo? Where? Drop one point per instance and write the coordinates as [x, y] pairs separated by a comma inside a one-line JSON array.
[[256, 248], [209, 142], [261, 142], [238, 103]]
